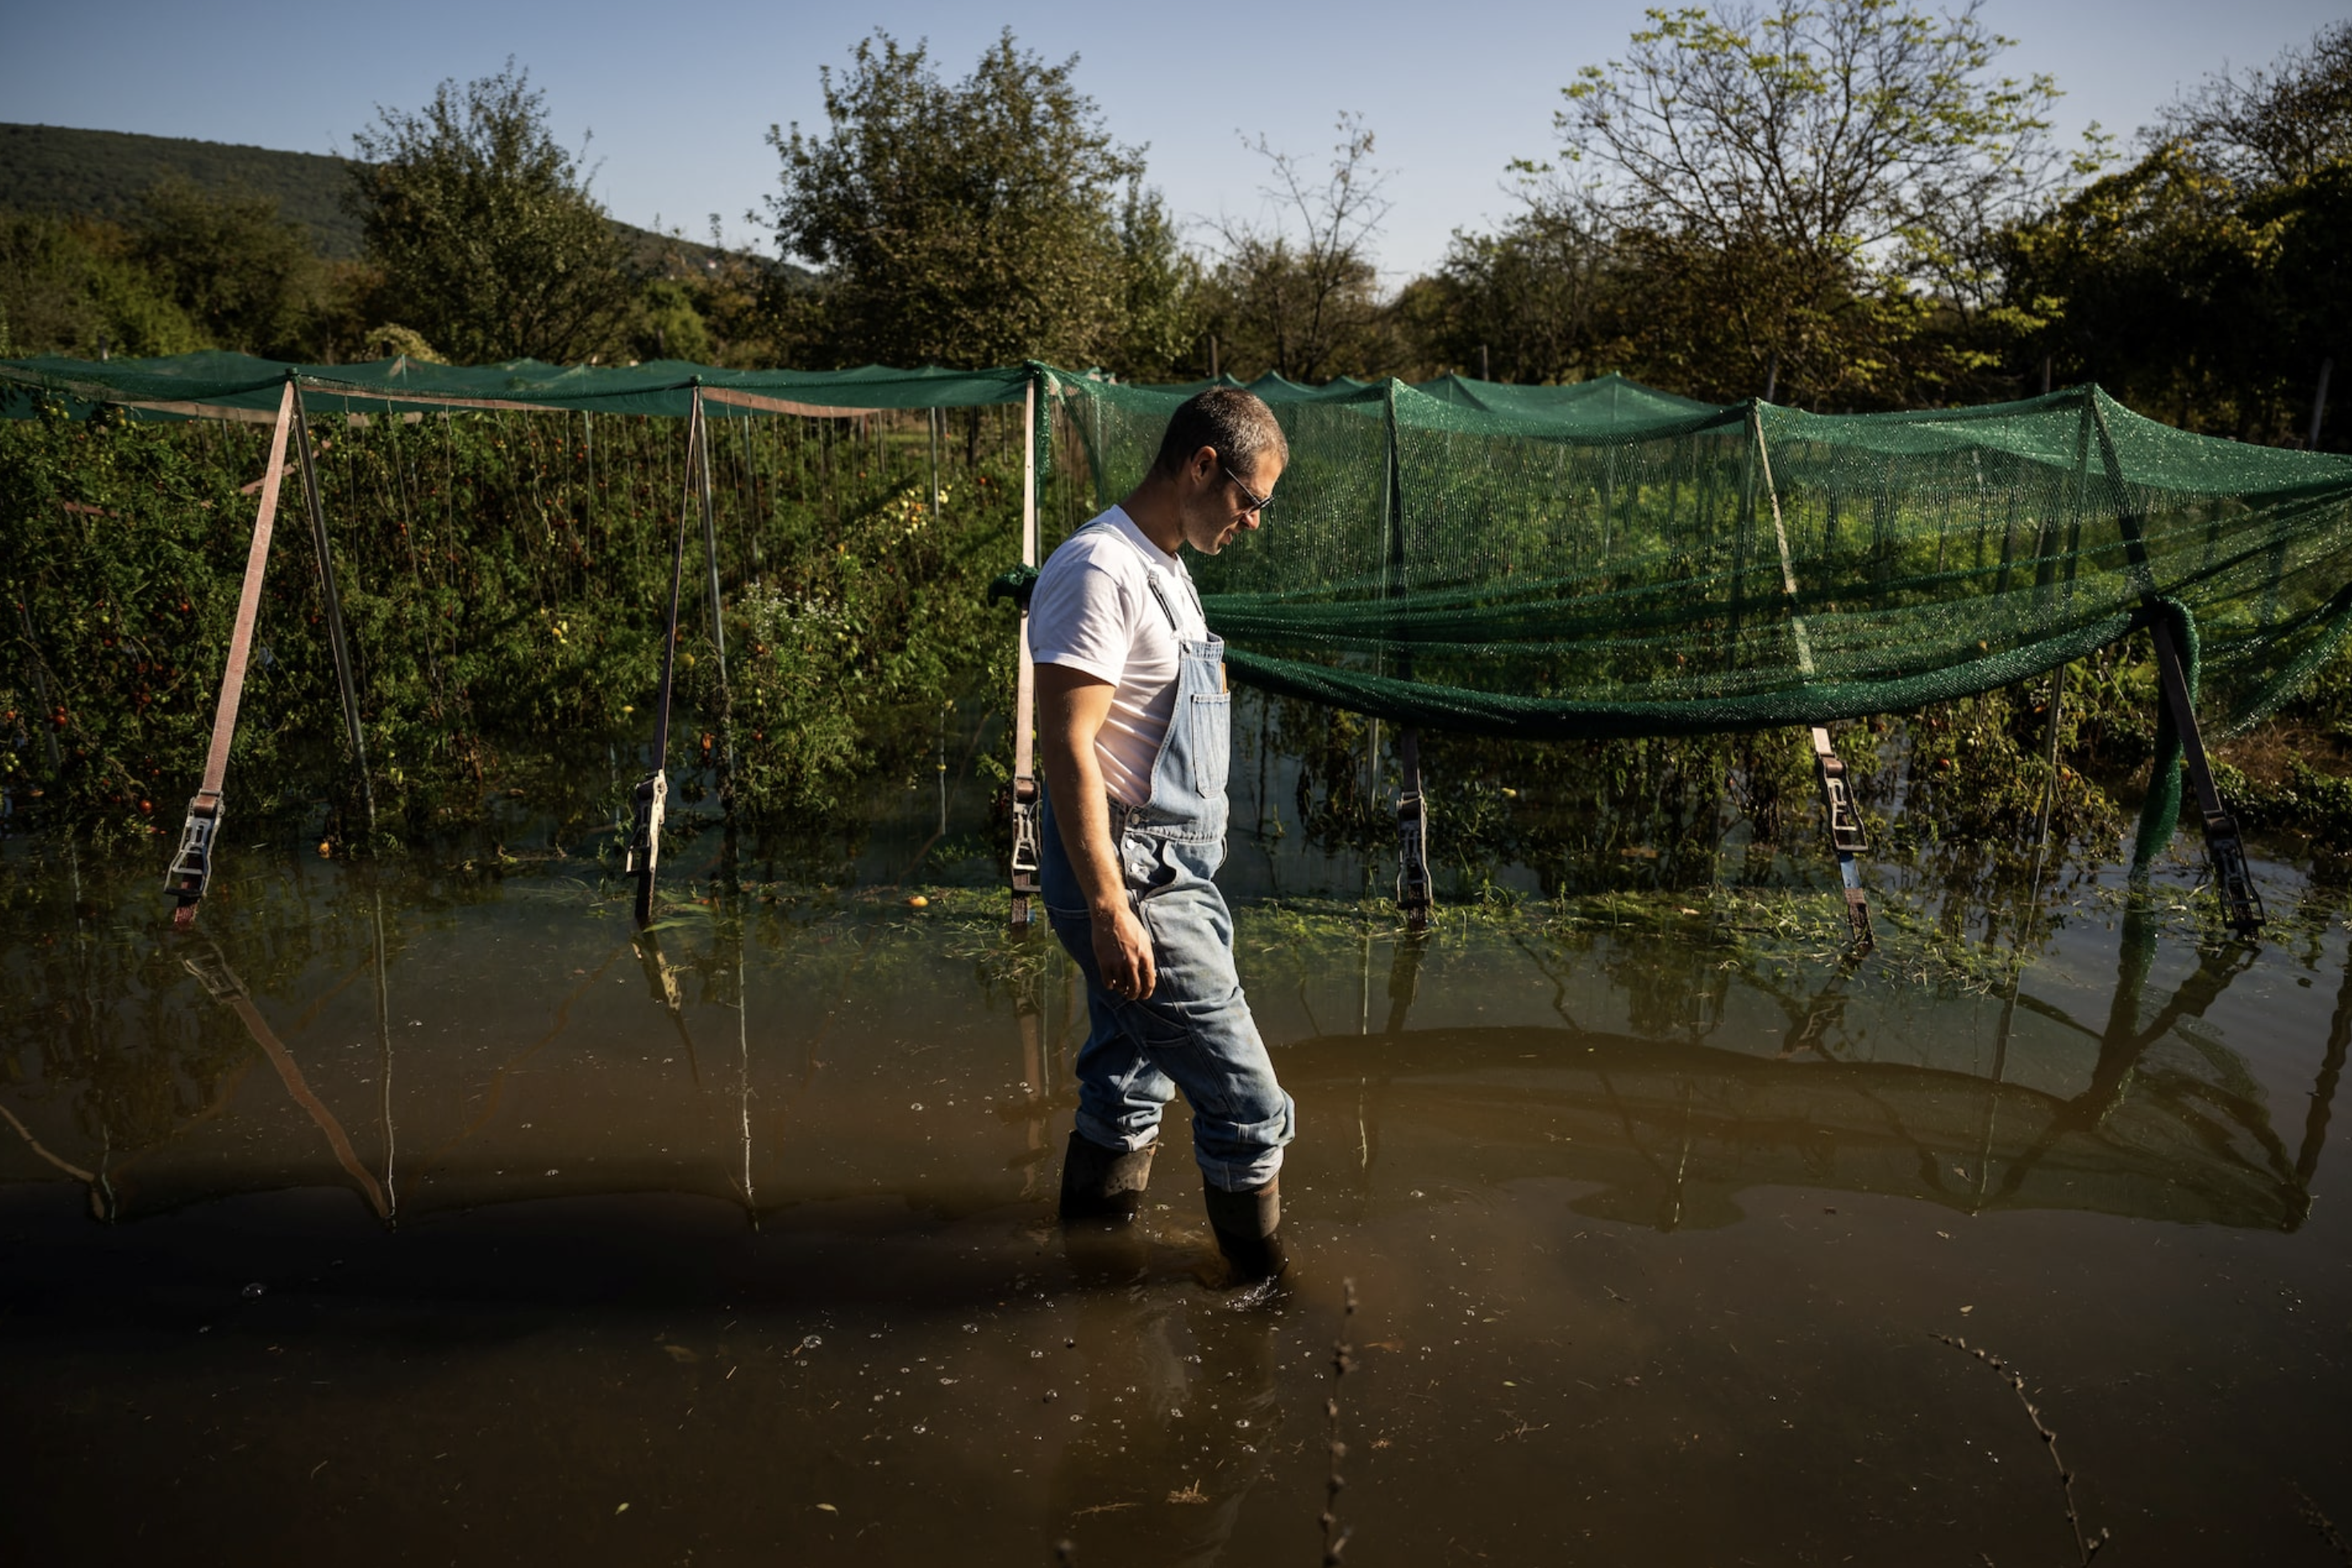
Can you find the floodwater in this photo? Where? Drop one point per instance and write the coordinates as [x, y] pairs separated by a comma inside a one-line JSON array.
[[411, 1214]]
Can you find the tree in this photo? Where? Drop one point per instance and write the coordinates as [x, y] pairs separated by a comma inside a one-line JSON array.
[[1299, 294], [1535, 302], [1806, 189], [2274, 126], [973, 223], [2205, 282], [1163, 283], [490, 244], [70, 287], [247, 278]]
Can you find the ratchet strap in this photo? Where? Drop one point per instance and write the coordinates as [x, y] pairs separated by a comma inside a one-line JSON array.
[[2225, 850], [192, 868], [2175, 634], [1022, 876], [1845, 837], [1844, 822], [1413, 835]]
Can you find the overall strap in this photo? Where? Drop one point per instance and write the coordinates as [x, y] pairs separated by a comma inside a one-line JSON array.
[[1161, 593]]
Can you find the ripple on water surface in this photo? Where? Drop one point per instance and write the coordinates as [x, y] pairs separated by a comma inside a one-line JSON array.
[[397, 1218]]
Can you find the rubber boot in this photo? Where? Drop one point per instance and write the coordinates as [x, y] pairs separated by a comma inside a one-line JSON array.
[[1248, 1226], [1103, 1184]]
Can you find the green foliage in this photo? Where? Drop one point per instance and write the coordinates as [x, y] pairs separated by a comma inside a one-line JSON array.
[[1299, 295], [1539, 302], [489, 243], [974, 224], [665, 325], [506, 579], [1800, 194], [247, 277], [73, 287], [1163, 285], [2204, 281]]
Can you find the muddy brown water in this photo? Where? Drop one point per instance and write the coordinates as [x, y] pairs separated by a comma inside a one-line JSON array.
[[410, 1216]]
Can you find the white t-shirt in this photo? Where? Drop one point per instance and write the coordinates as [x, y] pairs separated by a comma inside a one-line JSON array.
[[1093, 610]]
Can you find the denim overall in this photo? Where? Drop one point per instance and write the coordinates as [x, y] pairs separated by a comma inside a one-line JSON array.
[[1194, 1032]]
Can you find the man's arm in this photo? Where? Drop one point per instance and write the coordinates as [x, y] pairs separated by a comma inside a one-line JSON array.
[[1071, 708]]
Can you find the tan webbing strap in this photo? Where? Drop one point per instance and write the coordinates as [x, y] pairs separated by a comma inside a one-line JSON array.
[[1844, 822], [192, 868], [219, 979], [1027, 839], [740, 399]]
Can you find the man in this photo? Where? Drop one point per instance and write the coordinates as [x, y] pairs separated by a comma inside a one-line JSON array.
[[1134, 721]]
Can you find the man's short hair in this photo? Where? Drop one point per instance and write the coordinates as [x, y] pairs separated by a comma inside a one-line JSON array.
[[1236, 423]]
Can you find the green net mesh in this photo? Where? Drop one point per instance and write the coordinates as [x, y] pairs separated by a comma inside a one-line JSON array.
[[1603, 558], [1606, 560]]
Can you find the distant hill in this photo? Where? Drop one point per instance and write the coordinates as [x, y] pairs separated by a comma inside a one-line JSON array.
[[103, 173]]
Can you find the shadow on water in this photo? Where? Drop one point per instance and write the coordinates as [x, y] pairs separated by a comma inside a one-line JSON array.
[[413, 1213]]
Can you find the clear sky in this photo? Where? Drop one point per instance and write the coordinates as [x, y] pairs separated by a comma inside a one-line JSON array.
[[679, 101]]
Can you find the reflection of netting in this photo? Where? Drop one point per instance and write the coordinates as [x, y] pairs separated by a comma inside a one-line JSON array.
[[1604, 560]]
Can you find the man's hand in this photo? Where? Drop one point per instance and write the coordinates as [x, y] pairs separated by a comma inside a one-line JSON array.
[[1072, 706], [1123, 952]]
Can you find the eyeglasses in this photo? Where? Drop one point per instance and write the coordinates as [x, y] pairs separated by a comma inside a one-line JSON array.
[[1257, 503]]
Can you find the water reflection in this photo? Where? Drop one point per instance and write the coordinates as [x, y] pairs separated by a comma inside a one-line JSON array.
[[772, 1059], [466, 1191], [1173, 1388]]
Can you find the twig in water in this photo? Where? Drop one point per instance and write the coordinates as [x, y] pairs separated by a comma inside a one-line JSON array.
[[1343, 1357], [2325, 1525], [2086, 1547]]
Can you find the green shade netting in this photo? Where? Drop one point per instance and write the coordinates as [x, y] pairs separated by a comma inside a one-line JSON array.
[[1603, 559], [214, 384], [1600, 559]]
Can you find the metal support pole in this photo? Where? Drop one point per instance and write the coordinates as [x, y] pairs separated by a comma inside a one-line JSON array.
[[698, 435], [1412, 894], [334, 604], [652, 798], [1026, 814], [384, 1061]]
